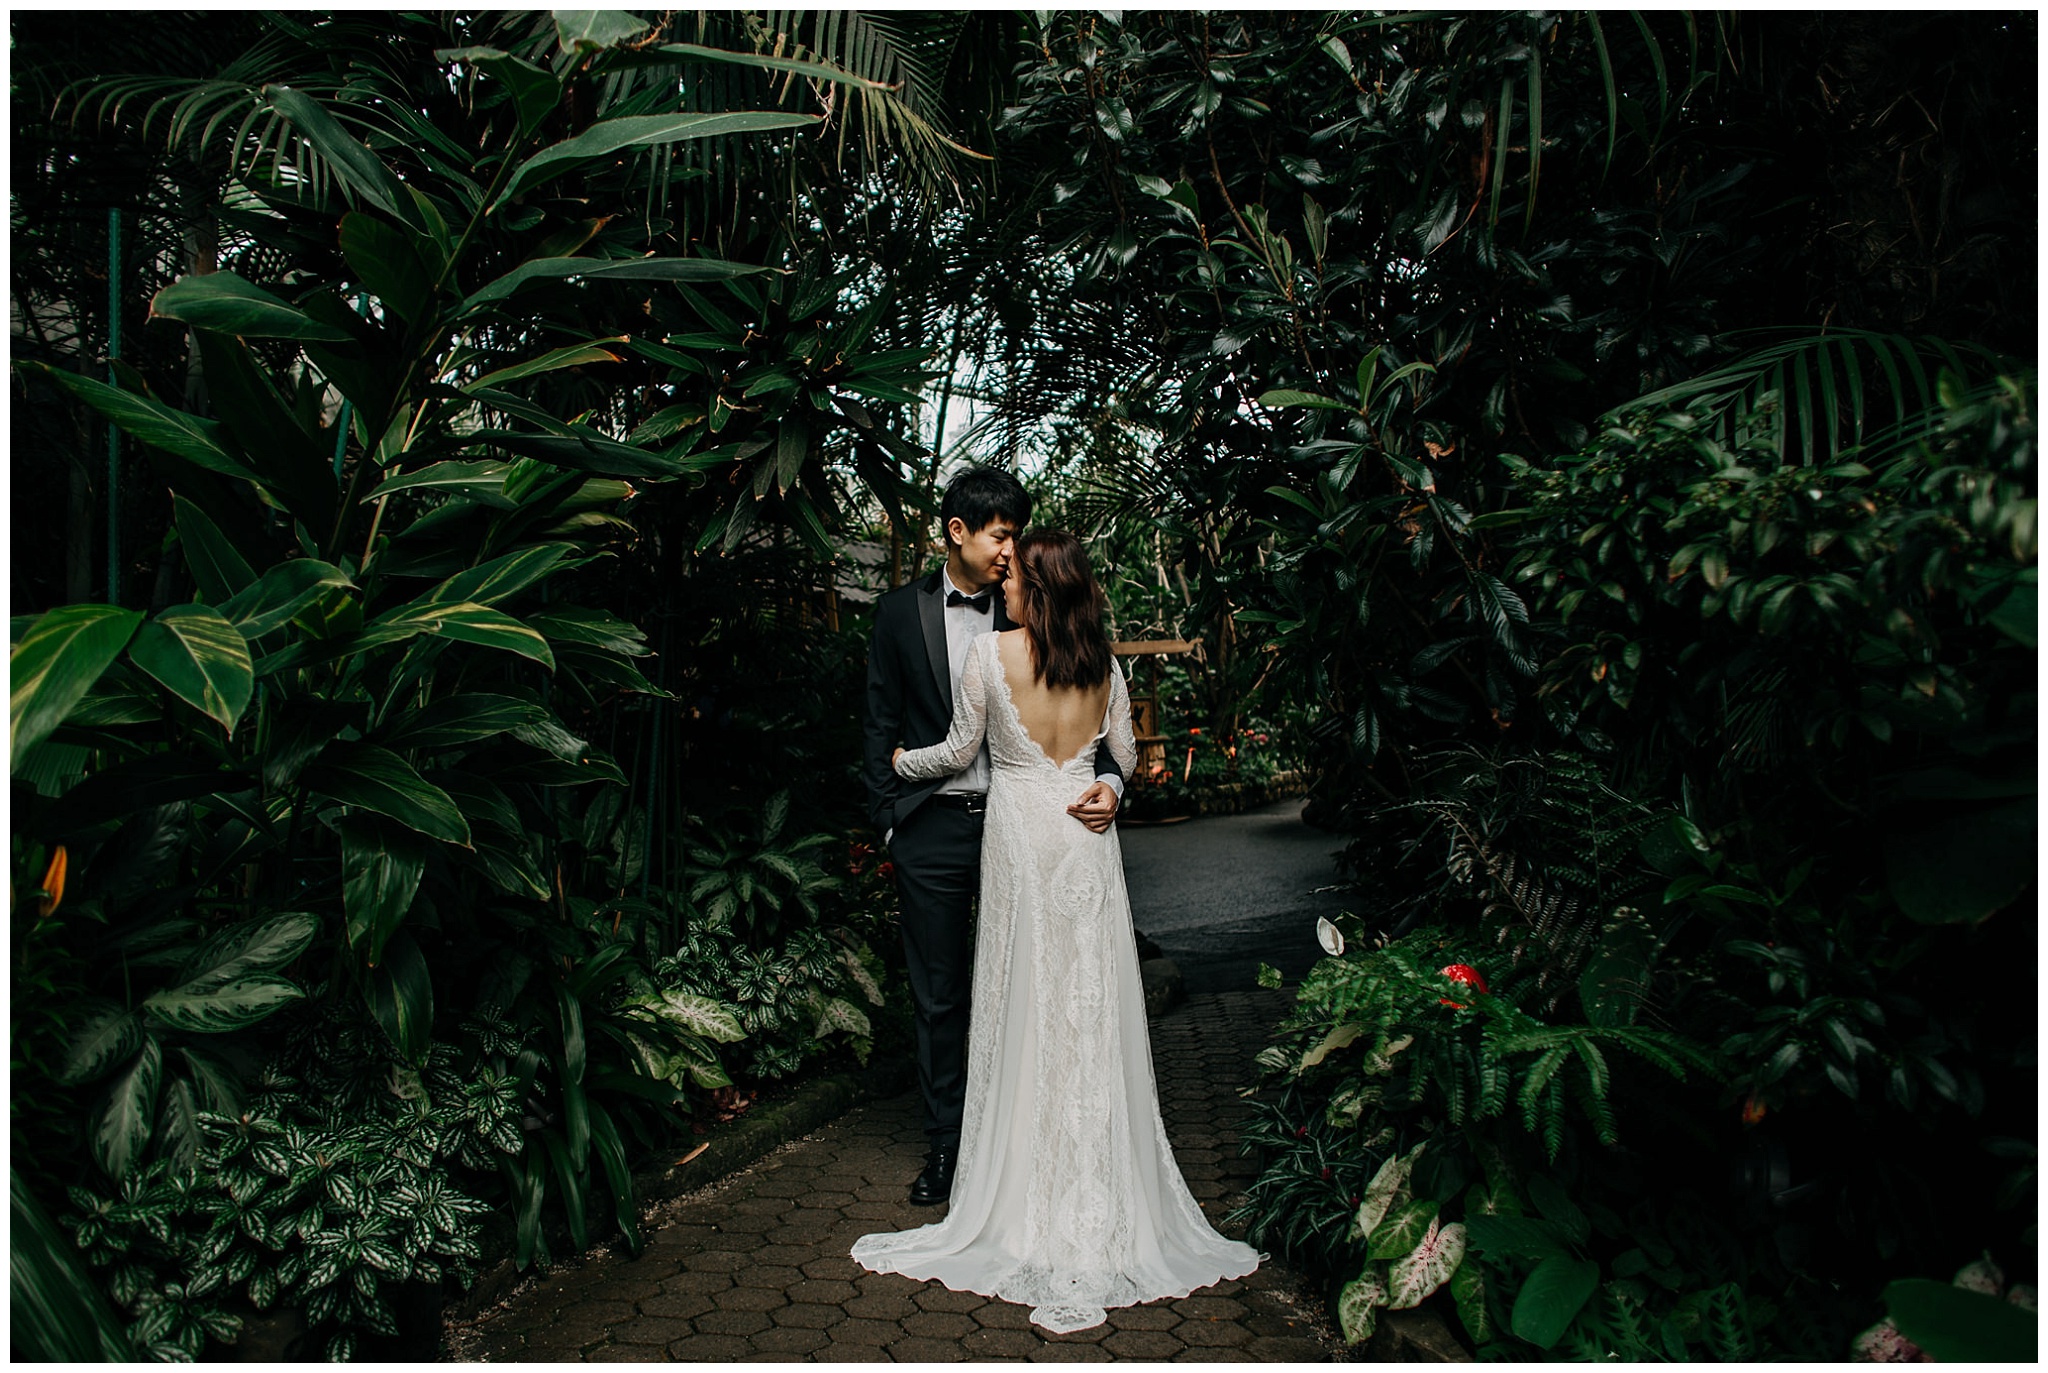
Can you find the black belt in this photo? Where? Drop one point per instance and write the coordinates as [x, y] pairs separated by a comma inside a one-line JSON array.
[[973, 802]]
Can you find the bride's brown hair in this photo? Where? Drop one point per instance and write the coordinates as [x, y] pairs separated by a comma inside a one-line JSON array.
[[1063, 609]]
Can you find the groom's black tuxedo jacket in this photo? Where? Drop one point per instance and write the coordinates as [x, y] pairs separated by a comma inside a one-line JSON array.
[[910, 694]]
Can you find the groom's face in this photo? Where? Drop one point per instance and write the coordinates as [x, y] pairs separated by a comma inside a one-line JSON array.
[[984, 553]]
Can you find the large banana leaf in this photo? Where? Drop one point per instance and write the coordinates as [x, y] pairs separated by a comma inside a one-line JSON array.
[[640, 131], [225, 303]]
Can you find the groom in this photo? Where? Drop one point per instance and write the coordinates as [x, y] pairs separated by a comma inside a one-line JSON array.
[[933, 829]]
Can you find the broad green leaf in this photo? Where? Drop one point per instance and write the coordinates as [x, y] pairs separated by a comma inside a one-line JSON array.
[[106, 1035], [1425, 1268], [606, 269], [121, 1124], [1966, 866], [839, 1016], [462, 718], [1282, 399], [358, 169], [641, 131], [2017, 615], [592, 628], [535, 93], [216, 564], [1340, 1037], [380, 874], [201, 657], [1380, 1193], [59, 1313], [611, 1152], [1505, 1236], [225, 303], [1551, 1297], [501, 578], [56, 662], [219, 1090], [204, 1007], [575, 355], [1359, 1303], [1956, 1325], [386, 261], [1468, 1294], [585, 451], [280, 594], [263, 945], [378, 780], [699, 1015], [400, 993], [583, 31], [1402, 1230], [464, 621], [196, 440], [479, 480]]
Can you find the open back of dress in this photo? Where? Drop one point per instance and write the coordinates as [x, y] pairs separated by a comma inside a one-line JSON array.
[[1066, 1198]]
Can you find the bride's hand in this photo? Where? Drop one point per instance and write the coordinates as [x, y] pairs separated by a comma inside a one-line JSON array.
[[1097, 807], [892, 759]]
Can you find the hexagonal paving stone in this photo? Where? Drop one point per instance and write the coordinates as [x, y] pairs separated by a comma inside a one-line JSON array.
[[939, 1325], [913, 1349], [1071, 1353], [1003, 1315], [808, 1315], [627, 1353], [732, 1323], [1209, 1355], [859, 1330], [1143, 1344], [788, 1339], [780, 1277], [716, 1261], [853, 1353], [885, 1306], [716, 1280], [822, 1290], [711, 1349], [1216, 1334], [997, 1344], [751, 1299], [1274, 1349], [1151, 1317], [837, 1267], [656, 1330], [825, 1201], [937, 1298], [1210, 1308]]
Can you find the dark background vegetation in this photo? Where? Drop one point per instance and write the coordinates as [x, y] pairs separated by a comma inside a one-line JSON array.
[[1599, 446]]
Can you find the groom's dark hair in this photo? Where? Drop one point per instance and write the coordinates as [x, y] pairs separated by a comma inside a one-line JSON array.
[[980, 495]]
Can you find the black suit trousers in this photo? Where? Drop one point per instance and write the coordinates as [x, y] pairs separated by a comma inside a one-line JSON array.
[[937, 854]]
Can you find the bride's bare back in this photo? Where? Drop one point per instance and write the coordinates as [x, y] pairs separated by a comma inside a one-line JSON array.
[[1060, 720]]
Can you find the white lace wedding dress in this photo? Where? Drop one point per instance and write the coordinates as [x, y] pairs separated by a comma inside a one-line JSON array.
[[1066, 1197]]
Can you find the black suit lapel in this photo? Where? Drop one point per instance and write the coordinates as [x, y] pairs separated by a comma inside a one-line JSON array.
[[931, 614]]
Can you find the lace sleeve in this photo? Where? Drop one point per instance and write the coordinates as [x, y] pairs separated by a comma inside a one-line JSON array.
[[1123, 745], [970, 722]]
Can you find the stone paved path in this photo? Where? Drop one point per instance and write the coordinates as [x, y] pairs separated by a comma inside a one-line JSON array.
[[756, 1267]]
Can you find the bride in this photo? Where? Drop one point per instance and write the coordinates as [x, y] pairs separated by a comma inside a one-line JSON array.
[[1067, 1198]]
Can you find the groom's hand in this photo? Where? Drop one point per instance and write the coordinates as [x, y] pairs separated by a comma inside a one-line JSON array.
[[1097, 807]]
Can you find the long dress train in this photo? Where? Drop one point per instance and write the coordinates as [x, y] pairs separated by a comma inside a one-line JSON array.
[[1066, 1197]]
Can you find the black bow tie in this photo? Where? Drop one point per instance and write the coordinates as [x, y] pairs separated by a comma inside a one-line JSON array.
[[974, 603]]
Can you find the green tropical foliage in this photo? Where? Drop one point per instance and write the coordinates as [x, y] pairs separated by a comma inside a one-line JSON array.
[[1600, 446]]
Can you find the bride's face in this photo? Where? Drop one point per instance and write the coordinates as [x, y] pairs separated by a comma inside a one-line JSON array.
[[1013, 594]]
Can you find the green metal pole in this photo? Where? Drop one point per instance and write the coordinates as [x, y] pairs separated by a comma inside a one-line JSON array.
[[113, 431]]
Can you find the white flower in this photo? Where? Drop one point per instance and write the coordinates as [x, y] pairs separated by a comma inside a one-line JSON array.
[[1328, 936]]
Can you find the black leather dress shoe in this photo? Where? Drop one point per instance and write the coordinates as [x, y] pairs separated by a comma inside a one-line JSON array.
[[935, 1183]]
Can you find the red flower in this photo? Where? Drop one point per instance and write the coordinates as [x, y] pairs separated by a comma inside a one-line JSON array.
[[1301, 1133], [1465, 974], [1194, 731], [1326, 1175], [886, 870], [1454, 1005], [1752, 1111]]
